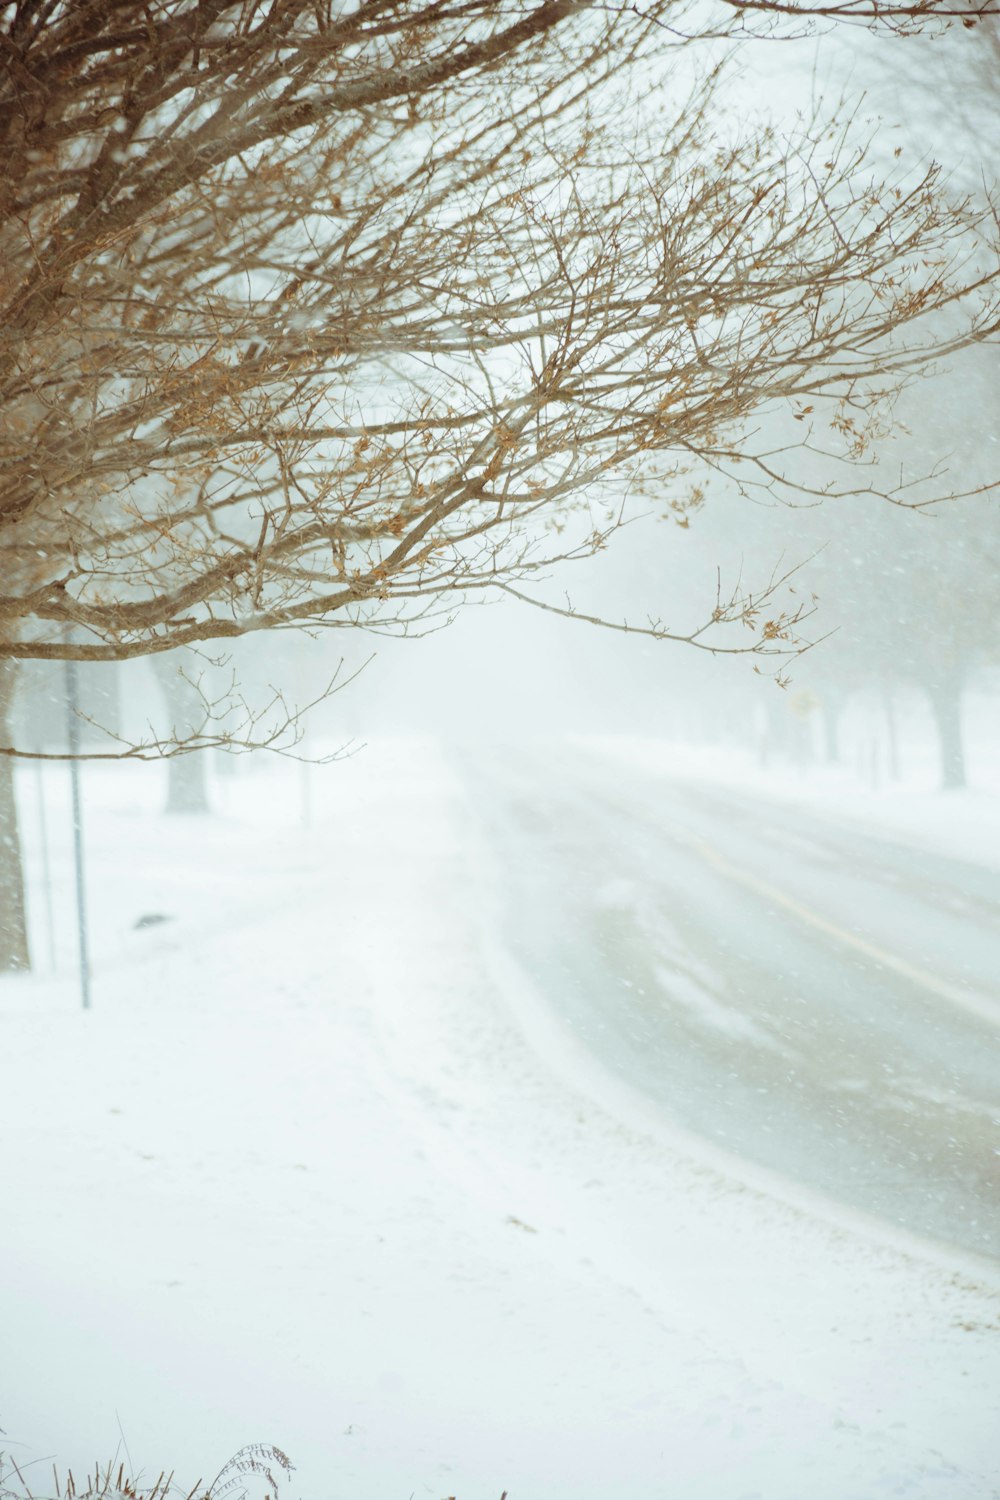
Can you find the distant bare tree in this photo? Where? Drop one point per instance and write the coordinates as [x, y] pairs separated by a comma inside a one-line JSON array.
[[912, 597], [177, 675], [338, 315]]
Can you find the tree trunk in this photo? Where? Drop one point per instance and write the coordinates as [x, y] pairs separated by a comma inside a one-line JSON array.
[[14, 953], [946, 704], [187, 790], [830, 714], [187, 787], [889, 704]]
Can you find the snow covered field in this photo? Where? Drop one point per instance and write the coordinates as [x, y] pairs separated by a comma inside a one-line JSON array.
[[317, 1169]]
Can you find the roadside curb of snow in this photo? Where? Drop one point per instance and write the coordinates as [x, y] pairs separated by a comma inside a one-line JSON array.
[[829, 795]]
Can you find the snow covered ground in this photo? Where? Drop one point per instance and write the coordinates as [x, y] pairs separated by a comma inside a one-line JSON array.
[[963, 824], [317, 1169]]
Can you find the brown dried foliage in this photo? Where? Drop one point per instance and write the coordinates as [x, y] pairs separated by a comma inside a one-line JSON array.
[[258, 1466]]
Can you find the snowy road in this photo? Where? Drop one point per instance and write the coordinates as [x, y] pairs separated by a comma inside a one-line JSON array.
[[821, 1002]]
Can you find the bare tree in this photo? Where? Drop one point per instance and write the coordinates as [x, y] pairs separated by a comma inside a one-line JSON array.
[[300, 327], [911, 595], [338, 315]]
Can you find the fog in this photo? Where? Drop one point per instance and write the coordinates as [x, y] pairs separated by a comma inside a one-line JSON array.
[[566, 1063]]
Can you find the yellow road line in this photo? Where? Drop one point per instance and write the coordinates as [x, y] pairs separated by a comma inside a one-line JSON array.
[[976, 1004]]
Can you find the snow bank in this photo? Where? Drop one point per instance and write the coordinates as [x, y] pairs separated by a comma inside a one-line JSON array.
[[962, 824]]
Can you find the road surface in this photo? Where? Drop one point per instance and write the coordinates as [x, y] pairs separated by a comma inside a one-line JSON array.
[[821, 1002]]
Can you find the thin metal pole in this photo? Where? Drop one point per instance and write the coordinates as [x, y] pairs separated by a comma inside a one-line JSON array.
[[73, 737]]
